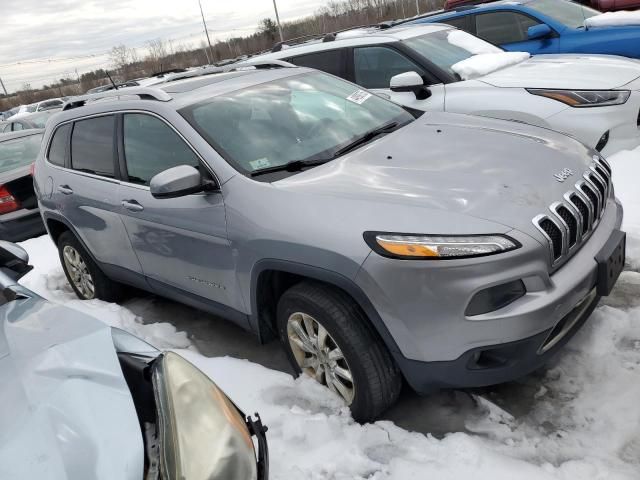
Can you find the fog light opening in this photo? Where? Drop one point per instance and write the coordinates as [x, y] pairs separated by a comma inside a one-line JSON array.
[[496, 297]]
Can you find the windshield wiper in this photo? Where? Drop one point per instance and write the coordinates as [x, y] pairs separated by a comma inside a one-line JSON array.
[[367, 137], [297, 165], [294, 166]]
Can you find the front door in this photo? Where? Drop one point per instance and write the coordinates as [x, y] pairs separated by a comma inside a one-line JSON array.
[[375, 65], [180, 242]]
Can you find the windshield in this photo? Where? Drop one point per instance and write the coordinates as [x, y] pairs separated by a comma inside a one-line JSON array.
[[306, 117], [445, 48], [568, 13], [19, 152]]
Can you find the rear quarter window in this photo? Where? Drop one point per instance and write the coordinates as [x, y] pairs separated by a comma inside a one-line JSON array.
[[330, 61], [59, 146]]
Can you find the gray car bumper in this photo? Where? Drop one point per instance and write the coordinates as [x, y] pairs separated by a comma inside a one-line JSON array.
[[423, 303], [21, 225]]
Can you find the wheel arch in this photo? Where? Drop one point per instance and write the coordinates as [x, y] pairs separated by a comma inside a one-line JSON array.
[[271, 278]]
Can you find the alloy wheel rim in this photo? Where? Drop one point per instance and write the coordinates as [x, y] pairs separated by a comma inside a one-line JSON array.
[[319, 356], [79, 272]]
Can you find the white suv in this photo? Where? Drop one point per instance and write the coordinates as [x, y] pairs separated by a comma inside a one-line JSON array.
[[595, 98]]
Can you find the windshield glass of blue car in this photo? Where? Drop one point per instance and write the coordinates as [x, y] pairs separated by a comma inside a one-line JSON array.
[[445, 48], [570, 14], [308, 118], [19, 152]]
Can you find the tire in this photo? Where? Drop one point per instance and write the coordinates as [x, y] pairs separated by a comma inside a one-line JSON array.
[[376, 379], [103, 287]]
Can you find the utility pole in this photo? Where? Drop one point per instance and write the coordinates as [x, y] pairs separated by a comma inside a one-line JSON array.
[[275, 7], [204, 23], [417, 7], [3, 87]]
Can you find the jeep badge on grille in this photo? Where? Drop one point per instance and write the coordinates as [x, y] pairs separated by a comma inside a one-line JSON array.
[[564, 174]]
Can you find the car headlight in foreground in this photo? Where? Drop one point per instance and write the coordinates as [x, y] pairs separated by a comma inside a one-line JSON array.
[[584, 98], [438, 247], [203, 435]]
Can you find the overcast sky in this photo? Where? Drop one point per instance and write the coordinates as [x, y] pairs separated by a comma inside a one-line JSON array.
[[39, 38]]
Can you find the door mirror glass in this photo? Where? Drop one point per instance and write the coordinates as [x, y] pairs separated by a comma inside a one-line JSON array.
[[410, 82], [539, 31], [178, 182]]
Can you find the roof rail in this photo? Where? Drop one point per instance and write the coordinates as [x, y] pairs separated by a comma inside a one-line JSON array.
[[145, 93], [259, 65], [296, 41], [326, 37]]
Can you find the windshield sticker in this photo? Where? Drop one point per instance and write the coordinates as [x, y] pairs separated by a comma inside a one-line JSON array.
[[260, 163], [359, 97]]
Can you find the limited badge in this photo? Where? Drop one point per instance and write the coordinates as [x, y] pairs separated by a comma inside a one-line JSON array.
[[359, 97]]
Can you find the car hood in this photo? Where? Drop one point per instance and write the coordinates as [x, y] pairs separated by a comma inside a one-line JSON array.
[[445, 168], [65, 410], [587, 72]]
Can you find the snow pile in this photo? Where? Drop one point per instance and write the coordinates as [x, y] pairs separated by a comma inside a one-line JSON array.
[[484, 63], [471, 44], [613, 19], [583, 421]]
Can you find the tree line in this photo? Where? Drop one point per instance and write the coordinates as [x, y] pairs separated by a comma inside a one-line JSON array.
[[159, 55]]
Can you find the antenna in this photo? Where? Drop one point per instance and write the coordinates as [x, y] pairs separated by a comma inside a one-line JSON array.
[[111, 80]]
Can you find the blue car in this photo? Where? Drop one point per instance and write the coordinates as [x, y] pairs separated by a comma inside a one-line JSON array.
[[540, 26]]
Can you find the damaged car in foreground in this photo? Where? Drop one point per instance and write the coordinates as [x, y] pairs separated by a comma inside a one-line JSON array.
[[81, 400]]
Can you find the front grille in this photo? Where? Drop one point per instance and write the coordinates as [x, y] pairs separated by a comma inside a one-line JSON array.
[[554, 234], [571, 222], [583, 210], [573, 219]]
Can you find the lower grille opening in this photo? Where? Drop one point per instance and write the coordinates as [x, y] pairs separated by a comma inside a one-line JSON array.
[[564, 326]]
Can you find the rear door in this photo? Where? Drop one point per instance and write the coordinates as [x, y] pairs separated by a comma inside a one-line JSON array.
[[84, 180], [509, 30], [181, 242]]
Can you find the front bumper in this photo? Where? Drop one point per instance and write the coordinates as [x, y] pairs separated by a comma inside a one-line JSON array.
[[423, 308], [21, 225]]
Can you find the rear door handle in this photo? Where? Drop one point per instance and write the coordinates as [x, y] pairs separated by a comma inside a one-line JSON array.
[[132, 206], [65, 189]]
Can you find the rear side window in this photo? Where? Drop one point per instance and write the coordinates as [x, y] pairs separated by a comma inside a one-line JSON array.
[[92, 146], [374, 66], [58, 148], [503, 27], [330, 61], [151, 146], [463, 23]]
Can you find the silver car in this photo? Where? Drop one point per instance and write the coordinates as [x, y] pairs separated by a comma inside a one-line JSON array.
[[377, 244]]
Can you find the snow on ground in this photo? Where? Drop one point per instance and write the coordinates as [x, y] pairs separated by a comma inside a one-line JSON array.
[[584, 422], [613, 19], [484, 63]]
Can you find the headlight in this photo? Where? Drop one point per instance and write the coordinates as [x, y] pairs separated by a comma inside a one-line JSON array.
[[203, 435], [438, 247], [584, 98]]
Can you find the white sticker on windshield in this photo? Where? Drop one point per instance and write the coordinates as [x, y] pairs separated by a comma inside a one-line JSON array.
[[260, 163], [359, 97]]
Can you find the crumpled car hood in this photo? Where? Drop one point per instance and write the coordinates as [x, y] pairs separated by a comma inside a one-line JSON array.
[[65, 410]]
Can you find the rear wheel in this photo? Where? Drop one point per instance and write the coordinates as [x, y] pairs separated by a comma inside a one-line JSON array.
[[327, 336], [84, 276]]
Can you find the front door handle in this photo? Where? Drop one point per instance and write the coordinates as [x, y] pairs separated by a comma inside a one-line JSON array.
[[132, 206], [65, 189]]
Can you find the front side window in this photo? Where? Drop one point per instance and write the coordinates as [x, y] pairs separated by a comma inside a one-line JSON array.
[[92, 143], [374, 66], [570, 14], [330, 61], [17, 126], [445, 48], [306, 117], [58, 148], [151, 146], [504, 27], [19, 152]]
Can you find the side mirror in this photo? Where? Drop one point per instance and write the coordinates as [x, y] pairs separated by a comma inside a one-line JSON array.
[[178, 182], [410, 82], [539, 31], [14, 260]]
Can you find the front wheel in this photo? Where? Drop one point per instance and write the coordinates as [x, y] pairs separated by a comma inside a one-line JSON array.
[[327, 336]]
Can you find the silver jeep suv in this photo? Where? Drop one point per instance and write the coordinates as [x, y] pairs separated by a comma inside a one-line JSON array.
[[377, 244]]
